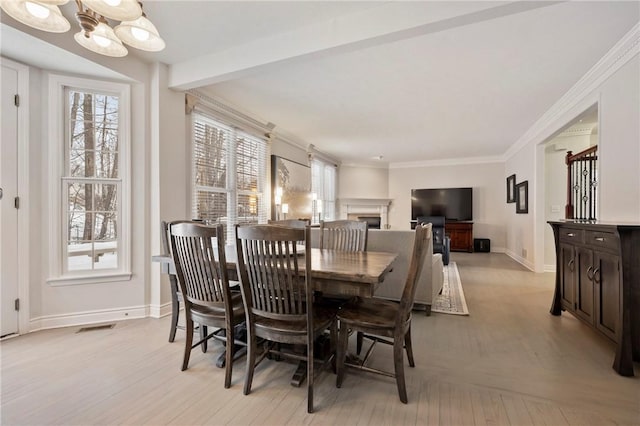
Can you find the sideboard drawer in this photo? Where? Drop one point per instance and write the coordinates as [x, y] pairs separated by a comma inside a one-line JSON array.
[[603, 240], [572, 235]]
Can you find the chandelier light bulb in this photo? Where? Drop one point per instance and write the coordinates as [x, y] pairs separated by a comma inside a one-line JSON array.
[[95, 33], [37, 10], [42, 15], [140, 34], [101, 41]]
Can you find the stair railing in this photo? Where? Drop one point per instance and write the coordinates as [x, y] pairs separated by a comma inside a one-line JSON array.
[[582, 183]]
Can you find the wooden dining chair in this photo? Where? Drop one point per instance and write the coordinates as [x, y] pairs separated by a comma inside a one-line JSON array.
[[200, 262], [278, 297], [176, 295], [345, 235], [291, 223], [381, 319]]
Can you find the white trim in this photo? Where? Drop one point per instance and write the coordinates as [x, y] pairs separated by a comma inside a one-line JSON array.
[[23, 191], [550, 268], [159, 311], [384, 166], [620, 54], [521, 260], [88, 317], [315, 153], [56, 154], [89, 279], [446, 162]]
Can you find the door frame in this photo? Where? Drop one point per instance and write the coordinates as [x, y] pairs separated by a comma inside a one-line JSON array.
[[24, 325]]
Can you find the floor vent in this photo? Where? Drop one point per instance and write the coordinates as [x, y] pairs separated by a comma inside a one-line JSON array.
[[96, 327]]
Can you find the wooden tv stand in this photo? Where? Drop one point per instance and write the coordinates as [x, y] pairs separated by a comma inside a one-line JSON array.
[[461, 235]]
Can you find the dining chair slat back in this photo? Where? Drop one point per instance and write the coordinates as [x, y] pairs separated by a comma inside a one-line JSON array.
[[344, 235], [380, 319], [176, 294], [291, 223], [200, 262], [277, 294]]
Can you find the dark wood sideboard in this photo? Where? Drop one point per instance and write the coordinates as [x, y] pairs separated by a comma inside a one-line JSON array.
[[461, 235], [598, 281]]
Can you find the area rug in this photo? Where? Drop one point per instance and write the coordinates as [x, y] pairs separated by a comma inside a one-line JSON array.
[[451, 300]]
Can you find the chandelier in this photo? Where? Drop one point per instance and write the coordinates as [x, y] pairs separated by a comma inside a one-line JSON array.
[[95, 32]]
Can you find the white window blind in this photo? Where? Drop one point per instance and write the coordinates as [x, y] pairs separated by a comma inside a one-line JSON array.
[[229, 174], [323, 185]]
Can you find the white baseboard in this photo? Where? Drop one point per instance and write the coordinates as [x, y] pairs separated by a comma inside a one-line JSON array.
[[550, 268], [521, 260], [89, 317], [159, 311]]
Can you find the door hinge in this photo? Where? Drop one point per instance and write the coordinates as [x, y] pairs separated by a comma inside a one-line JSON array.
[[16, 100], [16, 202], [17, 304]]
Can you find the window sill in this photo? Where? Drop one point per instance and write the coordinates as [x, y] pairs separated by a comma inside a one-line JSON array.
[[89, 279]]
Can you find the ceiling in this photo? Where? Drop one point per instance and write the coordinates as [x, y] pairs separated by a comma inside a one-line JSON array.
[[409, 81]]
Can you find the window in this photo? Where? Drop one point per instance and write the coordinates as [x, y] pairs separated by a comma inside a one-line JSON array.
[[229, 174], [89, 154], [323, 186]]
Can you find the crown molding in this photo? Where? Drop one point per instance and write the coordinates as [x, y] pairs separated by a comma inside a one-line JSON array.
[[622, 52], [581, 131], [366, 166], [446, 162]]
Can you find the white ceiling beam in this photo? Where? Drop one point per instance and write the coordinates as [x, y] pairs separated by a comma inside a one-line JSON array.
[[377, 25]]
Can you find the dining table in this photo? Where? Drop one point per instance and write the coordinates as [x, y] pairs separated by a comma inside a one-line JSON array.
[[333, 273]]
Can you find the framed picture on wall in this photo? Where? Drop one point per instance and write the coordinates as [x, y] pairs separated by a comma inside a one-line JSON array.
[[522, 197], [291, 186], [511, 189]]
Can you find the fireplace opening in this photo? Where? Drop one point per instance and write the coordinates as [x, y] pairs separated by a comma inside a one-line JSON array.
[[373, 222]]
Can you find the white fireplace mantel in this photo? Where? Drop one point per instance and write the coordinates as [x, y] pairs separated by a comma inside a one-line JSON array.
[[366, 206]]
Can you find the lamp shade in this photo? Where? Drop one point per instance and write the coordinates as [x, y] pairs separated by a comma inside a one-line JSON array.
[[120, 10], [102, 40], [141, 34], [41, 15]]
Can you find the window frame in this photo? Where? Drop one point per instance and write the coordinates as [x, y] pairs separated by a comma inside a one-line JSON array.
[[321, 191], [231, 189], [58, 179]]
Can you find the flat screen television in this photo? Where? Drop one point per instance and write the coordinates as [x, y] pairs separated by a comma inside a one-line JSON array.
[[452, 203]]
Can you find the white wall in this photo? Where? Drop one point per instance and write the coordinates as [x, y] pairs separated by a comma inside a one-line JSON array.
[[60, 305], [619, 151], [618, 98], [489, 195], [363, 182]]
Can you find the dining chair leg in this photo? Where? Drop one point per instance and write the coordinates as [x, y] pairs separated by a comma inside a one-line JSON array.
[[407, 345], [229, 356], [175, 307], [398, 361], [187, 344], [251, 361], [359, 341], [333, 344], [310, 376], [203, 335], [341, 353]]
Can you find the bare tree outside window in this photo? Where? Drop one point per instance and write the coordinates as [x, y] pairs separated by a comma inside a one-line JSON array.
[[92, 180]]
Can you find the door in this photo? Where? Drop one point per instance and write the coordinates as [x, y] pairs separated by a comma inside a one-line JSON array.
[[8, 210], [608, 284], [584, 285], [567, 277]]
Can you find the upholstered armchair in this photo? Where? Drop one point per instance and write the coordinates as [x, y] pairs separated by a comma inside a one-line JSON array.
[[441, 243]]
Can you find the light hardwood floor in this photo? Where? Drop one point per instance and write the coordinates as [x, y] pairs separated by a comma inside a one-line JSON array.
[[509, 362]]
